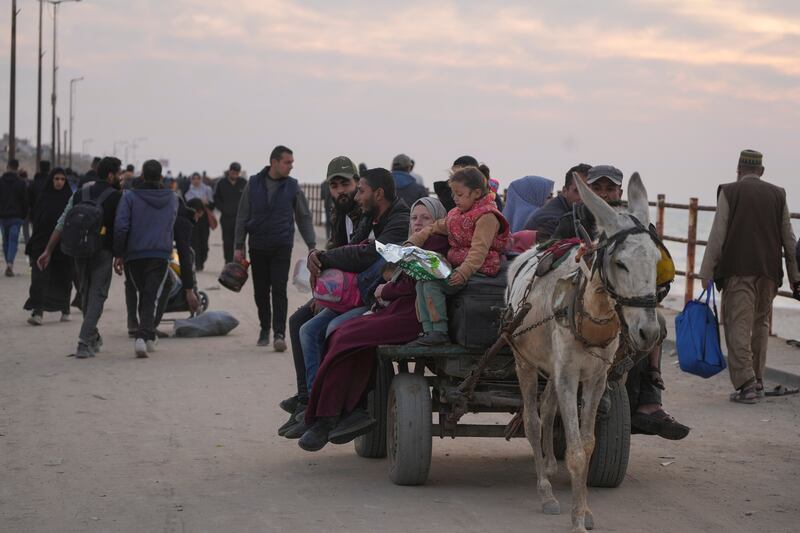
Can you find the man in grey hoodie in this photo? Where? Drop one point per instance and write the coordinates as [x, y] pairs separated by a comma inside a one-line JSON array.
[[143, 245]]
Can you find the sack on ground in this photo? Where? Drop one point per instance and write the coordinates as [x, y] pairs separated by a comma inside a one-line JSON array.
[[209, 324], [697, 337], [337, 290]]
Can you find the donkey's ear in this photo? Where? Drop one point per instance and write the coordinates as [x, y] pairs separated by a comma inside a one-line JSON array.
[[607, 218], [637, 199]]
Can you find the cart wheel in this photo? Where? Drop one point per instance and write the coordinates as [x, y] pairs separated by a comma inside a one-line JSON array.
[[203, 297], [408, 431], [612, 442], [373, 444]]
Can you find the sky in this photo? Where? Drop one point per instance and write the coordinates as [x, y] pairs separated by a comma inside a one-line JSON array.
[[673, 89]]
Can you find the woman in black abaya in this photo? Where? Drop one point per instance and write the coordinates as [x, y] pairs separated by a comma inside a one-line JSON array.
[[50, 288]]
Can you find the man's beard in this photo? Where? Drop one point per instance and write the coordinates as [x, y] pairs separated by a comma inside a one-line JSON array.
[[346, 204]]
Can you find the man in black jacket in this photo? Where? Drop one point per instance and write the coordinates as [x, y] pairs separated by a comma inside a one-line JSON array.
[[386, 219], [13, 211], [94, 272], [545, 220], [227, 195]]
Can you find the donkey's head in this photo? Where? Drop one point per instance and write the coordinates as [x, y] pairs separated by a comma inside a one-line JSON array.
[[628, 263]]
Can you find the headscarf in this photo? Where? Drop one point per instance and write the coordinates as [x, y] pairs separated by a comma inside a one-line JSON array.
[[433, 205], [525, 197], [50, 203]]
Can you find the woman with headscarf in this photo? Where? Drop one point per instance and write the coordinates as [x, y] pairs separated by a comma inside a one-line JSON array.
[[345, 375], [50, 288], [525, 196]]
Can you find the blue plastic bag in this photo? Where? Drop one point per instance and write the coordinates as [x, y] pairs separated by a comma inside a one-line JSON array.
[[697, 331]]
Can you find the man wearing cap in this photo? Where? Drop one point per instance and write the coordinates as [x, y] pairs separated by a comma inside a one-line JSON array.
[[644, 383], [227, 195], [341, 182], [545, 220], [751, 230], [405, 184], [272, 202]]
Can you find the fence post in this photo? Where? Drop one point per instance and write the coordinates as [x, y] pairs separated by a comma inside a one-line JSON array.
[[690, 250], [662, 199]]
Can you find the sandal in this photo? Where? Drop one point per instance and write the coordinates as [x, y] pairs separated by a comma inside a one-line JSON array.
[[655, 377], [760, 388], [780, 390], [793, 342], [746, 394]]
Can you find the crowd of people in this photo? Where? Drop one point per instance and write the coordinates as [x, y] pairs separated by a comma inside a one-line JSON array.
[[111, 220]]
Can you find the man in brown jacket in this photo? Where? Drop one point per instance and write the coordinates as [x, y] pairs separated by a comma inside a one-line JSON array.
[[750, 231]]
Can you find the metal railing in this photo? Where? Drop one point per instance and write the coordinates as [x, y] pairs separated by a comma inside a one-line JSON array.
[[316, 203], [691, 239]]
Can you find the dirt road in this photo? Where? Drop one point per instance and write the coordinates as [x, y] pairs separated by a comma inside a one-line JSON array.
[[186, 441]]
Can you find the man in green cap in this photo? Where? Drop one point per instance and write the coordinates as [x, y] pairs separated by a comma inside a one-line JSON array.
[[751, 230]]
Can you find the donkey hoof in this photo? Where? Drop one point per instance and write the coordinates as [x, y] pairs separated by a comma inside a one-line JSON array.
[[588, 520], [551, 507]]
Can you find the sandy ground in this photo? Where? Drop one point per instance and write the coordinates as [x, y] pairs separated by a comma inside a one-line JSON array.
[[186, 441]]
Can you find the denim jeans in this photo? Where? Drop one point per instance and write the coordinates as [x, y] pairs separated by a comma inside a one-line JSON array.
[[313, 334], [10, 227]]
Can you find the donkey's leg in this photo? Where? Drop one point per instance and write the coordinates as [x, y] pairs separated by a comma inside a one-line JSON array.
[[593, 389], [529, 385], [548, 414], [567, 392]]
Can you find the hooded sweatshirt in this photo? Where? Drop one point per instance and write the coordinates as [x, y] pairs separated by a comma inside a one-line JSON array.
[[13, 196], [144, 224], [407, 188]]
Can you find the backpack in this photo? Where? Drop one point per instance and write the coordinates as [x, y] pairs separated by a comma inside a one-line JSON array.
[[83, 226], [697, 337], [337, 290]]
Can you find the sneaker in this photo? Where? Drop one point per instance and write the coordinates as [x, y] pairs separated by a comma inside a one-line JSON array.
[[83, 351], [357, 423], [263, 338], [140, 348], [431, 338], [290, 404], [151, 345], [97, 344], [659, 423], [316, 437], [297, 430], [280, 343], [35, 320], [65, 317], [293, 420], [9, 272]]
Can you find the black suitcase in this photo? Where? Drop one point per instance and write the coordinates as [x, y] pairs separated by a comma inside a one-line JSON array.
[[474, 313]]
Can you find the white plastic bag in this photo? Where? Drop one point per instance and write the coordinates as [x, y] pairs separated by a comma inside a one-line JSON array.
[[302, 277]]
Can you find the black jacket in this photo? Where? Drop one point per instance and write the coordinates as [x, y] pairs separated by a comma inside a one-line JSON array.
[[182, 233], [13, 196], [545, 220], [391, 227], [227, 196], [339, 236]]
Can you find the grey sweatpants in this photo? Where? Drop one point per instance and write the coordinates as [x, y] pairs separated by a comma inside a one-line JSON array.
[[94, 274]]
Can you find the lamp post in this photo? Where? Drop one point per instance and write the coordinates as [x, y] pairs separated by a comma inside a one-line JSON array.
[[134, 146], [72, 83], [12, 98], [53, 136]]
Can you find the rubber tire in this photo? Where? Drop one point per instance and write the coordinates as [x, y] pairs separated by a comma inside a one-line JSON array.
[[612, 446], [373, 444], [408, 432]]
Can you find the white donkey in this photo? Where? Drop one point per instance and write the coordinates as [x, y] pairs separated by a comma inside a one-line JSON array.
[[579, 349]]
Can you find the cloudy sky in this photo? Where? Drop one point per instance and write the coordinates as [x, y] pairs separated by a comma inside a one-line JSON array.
[[671, 88]]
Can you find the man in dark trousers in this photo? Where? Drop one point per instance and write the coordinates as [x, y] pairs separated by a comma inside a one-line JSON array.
[[143, 236], [271, 203], [13, 211], [751, 230], [94, 273], [227, 196]]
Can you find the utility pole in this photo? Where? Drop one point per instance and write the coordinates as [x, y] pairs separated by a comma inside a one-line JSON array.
[[86, 142], [54, 135], [12, 104], [72, 83], [39, 95], [64, 147], [57, 144]]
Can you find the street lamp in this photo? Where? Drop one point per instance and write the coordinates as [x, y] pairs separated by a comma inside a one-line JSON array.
[[72, 83], [12, 97], [55, 3], [134, 146]]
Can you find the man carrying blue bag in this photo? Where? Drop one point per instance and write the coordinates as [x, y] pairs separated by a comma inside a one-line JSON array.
[[697, 328], [751, 230]]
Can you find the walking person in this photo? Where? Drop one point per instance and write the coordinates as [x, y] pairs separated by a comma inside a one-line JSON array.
[[272, 202], [94, 271], [143, 236], [50, 288], [13, 211], [227, 196], [202, 229], [751, 230], [406, 185]]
